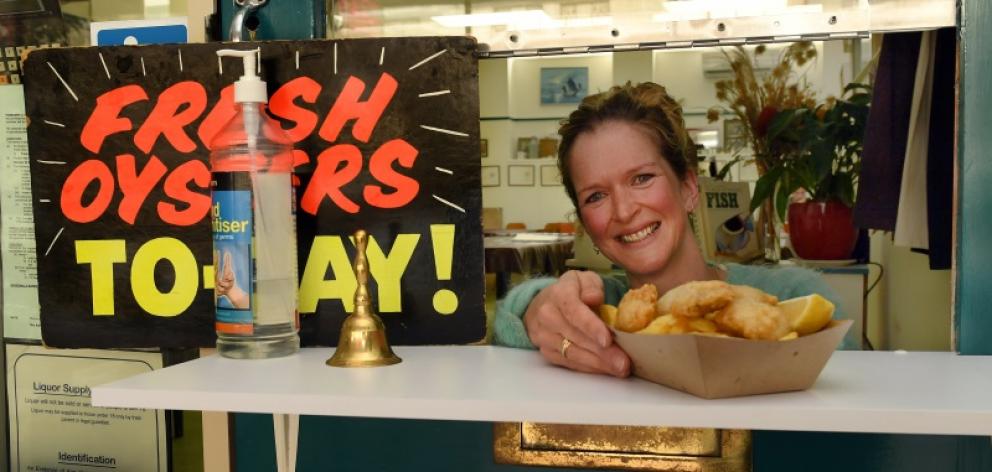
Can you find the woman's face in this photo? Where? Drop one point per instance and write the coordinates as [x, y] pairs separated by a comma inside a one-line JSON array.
[[632, 204]]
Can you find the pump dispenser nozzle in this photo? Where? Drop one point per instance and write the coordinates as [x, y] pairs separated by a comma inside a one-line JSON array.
[[249, 88]]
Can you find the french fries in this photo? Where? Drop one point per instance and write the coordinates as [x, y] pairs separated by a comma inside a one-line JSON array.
[[608, 313]]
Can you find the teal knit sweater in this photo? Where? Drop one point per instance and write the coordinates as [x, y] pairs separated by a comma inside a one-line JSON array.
[[783, 282]]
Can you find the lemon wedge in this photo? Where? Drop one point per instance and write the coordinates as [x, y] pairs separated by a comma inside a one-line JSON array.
[[807, 314]]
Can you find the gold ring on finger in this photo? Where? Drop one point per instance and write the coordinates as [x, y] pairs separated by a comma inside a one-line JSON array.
[[565, 344]]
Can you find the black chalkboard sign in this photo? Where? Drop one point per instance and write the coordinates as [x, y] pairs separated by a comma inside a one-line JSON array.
[[387, 139]]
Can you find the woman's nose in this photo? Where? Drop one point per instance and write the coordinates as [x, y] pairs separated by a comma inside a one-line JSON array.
[[624, 207]]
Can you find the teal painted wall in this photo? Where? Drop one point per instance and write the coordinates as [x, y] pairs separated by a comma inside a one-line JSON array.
[[367, 444], [973, 322], [790, 451]]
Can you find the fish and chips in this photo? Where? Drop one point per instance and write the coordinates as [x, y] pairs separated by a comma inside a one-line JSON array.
[[717, 308]]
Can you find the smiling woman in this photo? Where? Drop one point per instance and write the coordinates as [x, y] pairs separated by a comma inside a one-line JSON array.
[[636, 208], [627, 164]]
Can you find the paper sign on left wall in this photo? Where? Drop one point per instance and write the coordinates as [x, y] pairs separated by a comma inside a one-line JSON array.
[[17, 244]]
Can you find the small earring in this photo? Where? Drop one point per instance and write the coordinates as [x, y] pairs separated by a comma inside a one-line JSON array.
[[596, 250]]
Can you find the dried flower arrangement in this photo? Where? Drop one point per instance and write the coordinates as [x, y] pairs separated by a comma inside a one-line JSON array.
[[755, 98]]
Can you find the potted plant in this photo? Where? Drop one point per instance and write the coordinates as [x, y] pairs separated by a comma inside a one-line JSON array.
[[819, 162], [755, 97]]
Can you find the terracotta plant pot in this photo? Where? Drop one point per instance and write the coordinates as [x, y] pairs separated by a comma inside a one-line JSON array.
[[822, 230]]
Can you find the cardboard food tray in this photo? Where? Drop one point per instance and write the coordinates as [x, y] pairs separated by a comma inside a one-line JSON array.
[[720, 367]]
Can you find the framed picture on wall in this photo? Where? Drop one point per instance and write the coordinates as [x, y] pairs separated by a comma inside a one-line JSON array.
[[707, 138], [490, 176], [484, 147], [527, 148], [520, 176], [547, 147], [734, 135], [564, 84], [550, 177]]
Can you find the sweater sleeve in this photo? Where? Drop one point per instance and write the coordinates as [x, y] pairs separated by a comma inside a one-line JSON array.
[[508, 324]]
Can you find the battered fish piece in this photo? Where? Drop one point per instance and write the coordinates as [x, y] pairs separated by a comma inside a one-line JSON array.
[[696, 299], [745, 291], [752, 319], [636, 309]]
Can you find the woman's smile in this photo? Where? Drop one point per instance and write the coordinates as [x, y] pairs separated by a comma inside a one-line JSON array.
[[639, 235]]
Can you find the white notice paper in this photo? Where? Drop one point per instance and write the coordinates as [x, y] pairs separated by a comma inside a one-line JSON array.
[[53, 425], [17, 247]]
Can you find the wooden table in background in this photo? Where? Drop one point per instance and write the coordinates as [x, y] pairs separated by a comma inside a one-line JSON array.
[[509, 253]]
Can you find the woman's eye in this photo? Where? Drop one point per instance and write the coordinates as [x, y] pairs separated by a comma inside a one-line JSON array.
[[594, 197], [642, 178]]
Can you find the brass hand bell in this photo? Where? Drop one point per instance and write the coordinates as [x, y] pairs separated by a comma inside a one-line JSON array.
[[363, 336]]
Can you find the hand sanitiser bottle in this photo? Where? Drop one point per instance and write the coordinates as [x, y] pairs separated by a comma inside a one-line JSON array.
[[254, 227]]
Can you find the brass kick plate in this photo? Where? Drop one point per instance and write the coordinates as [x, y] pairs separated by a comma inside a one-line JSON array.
[[623, 447]]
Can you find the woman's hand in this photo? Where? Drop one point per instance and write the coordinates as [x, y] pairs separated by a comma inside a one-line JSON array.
[[564, 310]]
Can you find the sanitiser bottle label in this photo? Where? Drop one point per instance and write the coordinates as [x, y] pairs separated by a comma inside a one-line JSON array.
[[231, 219]]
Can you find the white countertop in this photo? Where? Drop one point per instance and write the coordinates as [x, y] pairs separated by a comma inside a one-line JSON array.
[[884, 392]]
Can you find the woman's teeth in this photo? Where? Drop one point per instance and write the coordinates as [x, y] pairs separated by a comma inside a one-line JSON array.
[[633, 238]]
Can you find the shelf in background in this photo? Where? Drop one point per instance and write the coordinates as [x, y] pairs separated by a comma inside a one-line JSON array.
[[878, 392]]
